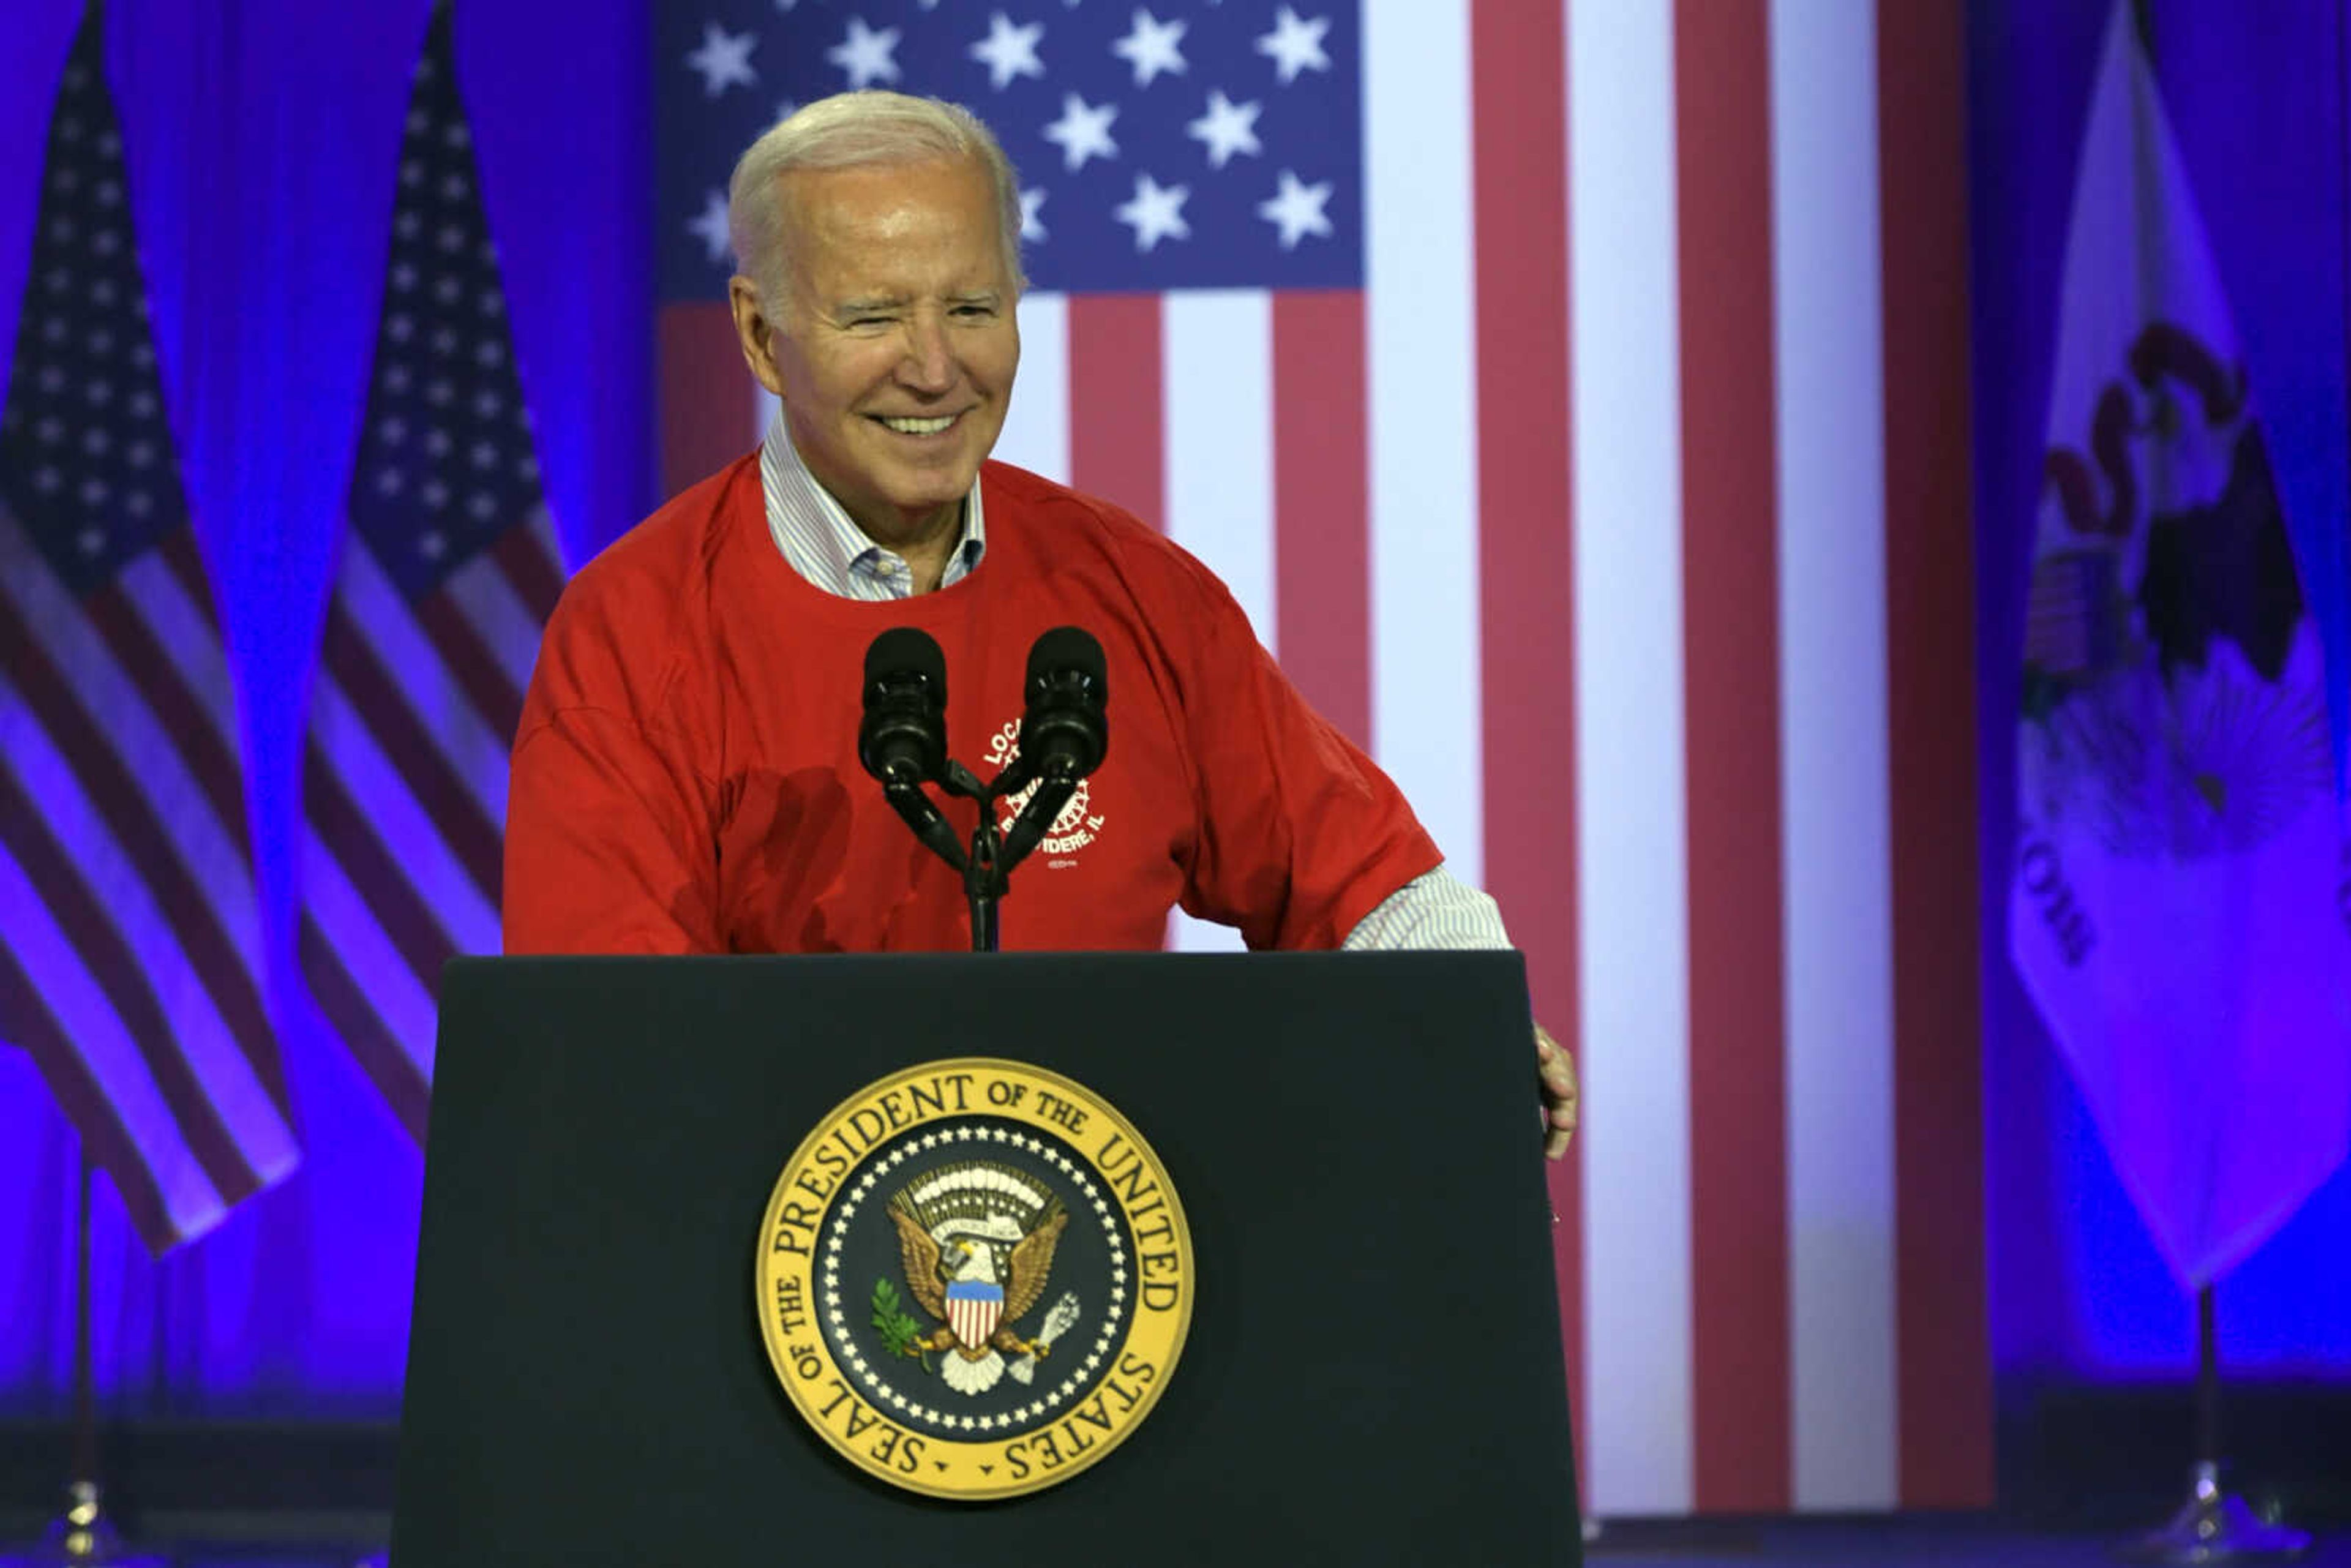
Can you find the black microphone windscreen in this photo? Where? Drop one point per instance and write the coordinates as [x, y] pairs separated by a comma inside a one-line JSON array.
[[1069, 648], [908, 650]]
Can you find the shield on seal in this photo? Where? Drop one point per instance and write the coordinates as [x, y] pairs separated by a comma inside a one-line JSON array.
[[973, 1308]]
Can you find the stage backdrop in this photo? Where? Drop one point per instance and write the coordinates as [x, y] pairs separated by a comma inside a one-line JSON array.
[[1611, 484]]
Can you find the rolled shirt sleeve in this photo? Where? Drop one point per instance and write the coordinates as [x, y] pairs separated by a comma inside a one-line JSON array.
[[1436, 909]]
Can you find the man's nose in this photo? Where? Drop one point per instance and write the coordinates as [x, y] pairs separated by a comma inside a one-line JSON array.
[[929, 364]]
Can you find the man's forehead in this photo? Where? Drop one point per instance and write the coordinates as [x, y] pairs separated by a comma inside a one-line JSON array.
[[875, 231], [857, 193]]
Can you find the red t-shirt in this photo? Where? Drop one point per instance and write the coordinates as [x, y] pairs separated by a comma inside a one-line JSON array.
[[686, 776]]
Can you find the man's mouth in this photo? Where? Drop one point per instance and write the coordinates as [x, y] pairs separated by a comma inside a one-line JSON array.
[[915, 426]]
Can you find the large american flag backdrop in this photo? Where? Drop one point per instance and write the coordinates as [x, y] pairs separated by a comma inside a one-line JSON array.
[[130, 938], [1574, 395]]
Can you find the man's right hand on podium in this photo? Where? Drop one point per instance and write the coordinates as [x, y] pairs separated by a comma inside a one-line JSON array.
[[1556, 1070]]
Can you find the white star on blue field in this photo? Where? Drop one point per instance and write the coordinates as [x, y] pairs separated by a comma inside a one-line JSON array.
[[1172, 144]]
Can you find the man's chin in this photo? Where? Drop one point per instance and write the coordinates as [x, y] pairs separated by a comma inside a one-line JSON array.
[[918, 495], [916, 510]]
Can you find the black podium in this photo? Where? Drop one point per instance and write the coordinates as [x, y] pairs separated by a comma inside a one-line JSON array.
[[1373, 1373]]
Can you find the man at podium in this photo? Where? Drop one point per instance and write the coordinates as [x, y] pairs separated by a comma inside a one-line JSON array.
[[686, 776]]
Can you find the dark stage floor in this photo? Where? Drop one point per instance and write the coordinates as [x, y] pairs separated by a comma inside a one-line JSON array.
[[1917, 1541]]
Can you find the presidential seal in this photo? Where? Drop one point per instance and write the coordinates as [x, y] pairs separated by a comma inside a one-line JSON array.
[[973, 1279]]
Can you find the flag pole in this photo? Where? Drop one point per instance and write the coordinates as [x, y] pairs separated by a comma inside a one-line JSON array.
[[82, 1535], [2213, 1526]]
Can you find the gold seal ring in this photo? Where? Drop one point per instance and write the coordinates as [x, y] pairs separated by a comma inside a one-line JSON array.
[[973, 1279]]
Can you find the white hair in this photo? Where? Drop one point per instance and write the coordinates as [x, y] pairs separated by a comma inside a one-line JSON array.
[[852, 130]]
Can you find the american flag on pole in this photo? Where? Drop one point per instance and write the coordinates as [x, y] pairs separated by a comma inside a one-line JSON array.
[[447, 576], [129, 939], [1575, 394]]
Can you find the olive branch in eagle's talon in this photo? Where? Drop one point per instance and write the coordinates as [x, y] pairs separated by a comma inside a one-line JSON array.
[[901, 1334]]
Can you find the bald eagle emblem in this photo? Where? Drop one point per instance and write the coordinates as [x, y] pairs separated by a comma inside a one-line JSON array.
[[976, 1244]]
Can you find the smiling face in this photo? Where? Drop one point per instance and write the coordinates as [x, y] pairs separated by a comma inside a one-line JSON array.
[[894, 347]]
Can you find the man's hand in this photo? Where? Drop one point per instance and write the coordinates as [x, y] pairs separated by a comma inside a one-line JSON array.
[[1556, 1070]]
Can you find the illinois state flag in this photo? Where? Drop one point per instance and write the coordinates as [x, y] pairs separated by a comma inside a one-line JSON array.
[[2179, 907]]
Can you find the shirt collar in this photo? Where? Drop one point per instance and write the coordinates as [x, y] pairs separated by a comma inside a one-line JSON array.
[[815, 534]]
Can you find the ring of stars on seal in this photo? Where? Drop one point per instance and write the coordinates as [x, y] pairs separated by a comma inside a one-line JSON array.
[[973, 1279]]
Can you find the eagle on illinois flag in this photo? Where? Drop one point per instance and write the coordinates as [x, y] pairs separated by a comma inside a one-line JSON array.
[[976, 1244]]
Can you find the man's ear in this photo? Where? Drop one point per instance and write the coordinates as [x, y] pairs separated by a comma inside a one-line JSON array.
[[755, 332]]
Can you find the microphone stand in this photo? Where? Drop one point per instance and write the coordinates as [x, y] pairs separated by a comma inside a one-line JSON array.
[[902, 742], [987, 868], [987, 876]]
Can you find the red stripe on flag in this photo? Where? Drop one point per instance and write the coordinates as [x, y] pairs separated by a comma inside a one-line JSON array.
[[1742, 1404], [1525, 547], [1943, 1365], [532, 570], [129, 987], [1116, 434], [26, 1018], [706, 393], [1322, 506], [176, 708], [373, 694], [388, 1067], [374, 872], [473, 665]]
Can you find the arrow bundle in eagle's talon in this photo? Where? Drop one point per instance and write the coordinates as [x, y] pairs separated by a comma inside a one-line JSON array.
[[1057, 1322]]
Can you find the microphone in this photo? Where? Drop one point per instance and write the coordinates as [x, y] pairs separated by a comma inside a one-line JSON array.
[[902, 738], [1064, 735], [1064, 732]]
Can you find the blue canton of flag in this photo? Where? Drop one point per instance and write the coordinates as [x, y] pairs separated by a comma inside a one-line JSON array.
[[445, 462], [1174, 146]]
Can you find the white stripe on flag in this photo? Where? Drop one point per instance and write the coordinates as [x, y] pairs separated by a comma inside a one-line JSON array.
[[382, 976], [187, 639], [379, 791], [199, 1035], [1420, 330], [382, 617], [213, 861], [1217, 390], [1036, 434], [1834, 745], [1632, 837], [1217, 397], [485, 597], [87, 1021]]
